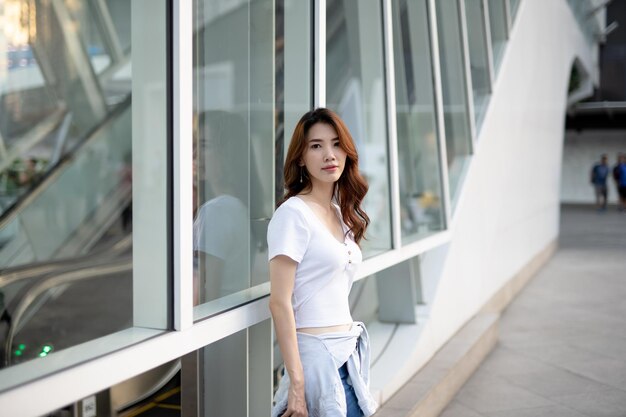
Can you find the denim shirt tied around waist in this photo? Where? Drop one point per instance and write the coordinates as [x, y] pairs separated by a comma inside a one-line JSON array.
[[322, 356]]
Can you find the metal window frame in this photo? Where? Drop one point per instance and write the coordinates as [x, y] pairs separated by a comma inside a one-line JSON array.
[[508, 18], [182, 96], [488, 44], [468, 75], [410, 250], [319, 54], [392, 127], [436, 69]]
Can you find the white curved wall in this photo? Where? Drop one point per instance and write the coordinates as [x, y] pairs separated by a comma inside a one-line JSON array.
[[508, 209]]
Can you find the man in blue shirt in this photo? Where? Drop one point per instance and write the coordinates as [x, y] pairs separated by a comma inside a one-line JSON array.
[[599, 174], [619, 175]]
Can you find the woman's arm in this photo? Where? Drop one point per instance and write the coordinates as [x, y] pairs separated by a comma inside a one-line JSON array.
[[282, 279]]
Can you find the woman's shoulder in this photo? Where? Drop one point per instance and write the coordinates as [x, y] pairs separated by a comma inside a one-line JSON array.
[[293, 205], [291, 208]]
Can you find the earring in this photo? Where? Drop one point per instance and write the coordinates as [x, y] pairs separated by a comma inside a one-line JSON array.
[[301, 169]]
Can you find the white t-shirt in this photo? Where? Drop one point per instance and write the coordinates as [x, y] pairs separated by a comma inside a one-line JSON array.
[[326, 267], [221, 229]]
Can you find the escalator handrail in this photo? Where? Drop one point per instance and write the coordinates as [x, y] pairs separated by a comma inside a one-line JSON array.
[[122, 265], [12, 275], [50, 176]]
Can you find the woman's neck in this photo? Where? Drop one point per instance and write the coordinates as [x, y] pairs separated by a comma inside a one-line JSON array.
[[321, 194]]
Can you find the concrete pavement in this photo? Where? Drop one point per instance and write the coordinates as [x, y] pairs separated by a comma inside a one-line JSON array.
[[562, 344]]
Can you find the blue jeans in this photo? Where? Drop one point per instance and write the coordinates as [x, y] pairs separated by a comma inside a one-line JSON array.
[[353, 406]]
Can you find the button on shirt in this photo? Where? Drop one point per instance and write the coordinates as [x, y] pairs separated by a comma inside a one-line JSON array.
[[326, 267]]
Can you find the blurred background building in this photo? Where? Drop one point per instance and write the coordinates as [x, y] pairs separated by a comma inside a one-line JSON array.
[[597, 125], [141, 151]]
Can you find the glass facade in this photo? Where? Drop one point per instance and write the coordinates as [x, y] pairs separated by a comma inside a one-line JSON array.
[[237, 136], [480, 66], [355, 88], [75, 157], [421, 196], [513, 7], [90, 129], [498, 30], [454, 90]]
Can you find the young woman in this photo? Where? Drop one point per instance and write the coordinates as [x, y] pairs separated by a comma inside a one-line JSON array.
[[313, 248]]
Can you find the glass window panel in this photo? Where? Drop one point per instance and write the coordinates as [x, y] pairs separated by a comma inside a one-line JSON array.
[[293, 72], [479, 62], [514, 7], [454, 89], [71, 162], [225, 376], [50, 97], [249, 81], [84, 17], [497, 24], [355, 89], [421, 195], [231, 377], [26, 100], [121, 10]]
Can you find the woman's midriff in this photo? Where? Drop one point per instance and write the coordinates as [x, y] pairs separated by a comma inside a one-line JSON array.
[[327, 329]]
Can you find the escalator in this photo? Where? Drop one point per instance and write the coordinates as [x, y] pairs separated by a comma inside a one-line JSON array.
[[83, 262], [60, 233]]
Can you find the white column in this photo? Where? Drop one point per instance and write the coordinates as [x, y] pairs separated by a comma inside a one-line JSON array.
[[319, 95], [150, 167], [182, 83]]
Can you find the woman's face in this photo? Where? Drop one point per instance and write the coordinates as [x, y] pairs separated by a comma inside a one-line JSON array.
[[323, 157]]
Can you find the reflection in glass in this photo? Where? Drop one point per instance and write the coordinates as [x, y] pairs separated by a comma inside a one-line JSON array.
[[454, 89], [65, 181], [224, 160], [479, 61], [222, 227], [355, 88], [421, 195], [497, 25], [50, 96], [248, 81], [85, 21]]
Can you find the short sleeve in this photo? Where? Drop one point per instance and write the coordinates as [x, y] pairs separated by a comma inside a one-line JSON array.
[[220, 227], [287, 234]]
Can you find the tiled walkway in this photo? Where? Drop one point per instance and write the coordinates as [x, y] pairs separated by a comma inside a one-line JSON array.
[[562, 344]]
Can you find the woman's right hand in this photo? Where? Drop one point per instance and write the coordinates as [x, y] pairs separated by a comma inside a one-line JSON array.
[[296, 404]]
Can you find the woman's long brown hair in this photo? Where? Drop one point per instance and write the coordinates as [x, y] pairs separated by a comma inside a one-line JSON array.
[[351, 187]]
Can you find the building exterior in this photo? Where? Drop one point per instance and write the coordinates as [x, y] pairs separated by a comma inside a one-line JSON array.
[[142, 144], [597, 126]]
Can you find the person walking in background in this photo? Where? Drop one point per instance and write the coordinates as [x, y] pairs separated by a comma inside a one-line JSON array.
[[619, 175], [313, 250], [599, 174]]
